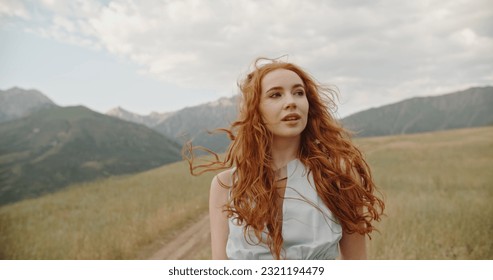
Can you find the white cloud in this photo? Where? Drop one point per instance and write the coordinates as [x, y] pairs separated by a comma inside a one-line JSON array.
[[387, 49], [64, 23], [13, 8]]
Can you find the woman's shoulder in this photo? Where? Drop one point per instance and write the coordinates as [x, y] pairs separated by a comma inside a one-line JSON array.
[[223, 181], [221, 184], [225, 177]]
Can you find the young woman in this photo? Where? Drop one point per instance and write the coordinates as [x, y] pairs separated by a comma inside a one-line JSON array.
[[295, 186]]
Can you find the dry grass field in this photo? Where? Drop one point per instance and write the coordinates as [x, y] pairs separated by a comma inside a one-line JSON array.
[[438, 188], [116, 218]]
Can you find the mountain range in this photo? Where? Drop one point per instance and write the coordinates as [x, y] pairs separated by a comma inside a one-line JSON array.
[[194, 124], [468, 108], [58, 146], [45, 147]]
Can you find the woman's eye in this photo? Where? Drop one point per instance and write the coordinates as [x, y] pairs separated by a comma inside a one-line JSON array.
[[275, 95], [300, 93]]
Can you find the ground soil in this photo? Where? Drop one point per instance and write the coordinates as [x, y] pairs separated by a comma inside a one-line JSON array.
[[189, 243]]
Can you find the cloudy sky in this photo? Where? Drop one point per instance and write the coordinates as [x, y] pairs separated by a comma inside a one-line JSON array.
[[162, 56]]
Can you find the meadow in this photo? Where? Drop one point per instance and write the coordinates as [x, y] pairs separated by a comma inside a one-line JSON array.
[[438, 189], [116, 218]]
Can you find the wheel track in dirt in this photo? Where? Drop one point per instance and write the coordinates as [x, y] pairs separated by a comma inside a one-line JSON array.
[[187, 244]]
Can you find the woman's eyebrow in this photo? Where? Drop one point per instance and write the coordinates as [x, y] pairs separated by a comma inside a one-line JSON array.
[[274, 88], [280, 88]]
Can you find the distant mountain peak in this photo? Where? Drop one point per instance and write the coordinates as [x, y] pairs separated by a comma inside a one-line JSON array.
[[223, 102], [150, 120], [117, 111], [17, 102], [14, 92]]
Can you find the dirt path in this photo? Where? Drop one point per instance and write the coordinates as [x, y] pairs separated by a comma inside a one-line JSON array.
[[188, 244]]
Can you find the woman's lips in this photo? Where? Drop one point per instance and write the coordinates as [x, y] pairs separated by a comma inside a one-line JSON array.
[[291, 117]]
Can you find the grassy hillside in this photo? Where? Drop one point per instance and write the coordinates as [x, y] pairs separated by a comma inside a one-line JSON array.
[[438, 188], [57, 147]]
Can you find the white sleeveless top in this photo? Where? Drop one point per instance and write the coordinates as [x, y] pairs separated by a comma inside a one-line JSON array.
[[309, 229]]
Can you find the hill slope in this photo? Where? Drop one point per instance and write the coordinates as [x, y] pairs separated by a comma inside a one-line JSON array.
[[193, 123], [56, 147], [468, 108]]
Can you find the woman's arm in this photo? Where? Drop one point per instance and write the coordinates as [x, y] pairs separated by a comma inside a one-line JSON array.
[[218, 218], [353, 246]]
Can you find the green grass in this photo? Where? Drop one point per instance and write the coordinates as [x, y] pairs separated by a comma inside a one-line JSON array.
[[438, 189]]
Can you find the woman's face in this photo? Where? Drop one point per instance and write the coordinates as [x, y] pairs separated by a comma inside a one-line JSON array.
[[283, 103]]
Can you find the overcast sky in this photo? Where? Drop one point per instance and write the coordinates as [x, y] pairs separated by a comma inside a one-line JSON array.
[[165, 55]]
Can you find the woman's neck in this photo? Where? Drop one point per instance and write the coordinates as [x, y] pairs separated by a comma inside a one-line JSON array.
[[284, 150]]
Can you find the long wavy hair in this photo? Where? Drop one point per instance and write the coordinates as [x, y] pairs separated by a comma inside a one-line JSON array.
[[342, 177]]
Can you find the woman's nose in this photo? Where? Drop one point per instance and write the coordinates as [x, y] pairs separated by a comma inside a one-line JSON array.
[[289, 101]]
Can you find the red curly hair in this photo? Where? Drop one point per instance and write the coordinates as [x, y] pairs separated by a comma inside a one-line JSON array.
[[342, 177]]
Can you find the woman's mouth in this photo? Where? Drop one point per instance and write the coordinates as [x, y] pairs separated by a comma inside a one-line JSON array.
[[291, 117]]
